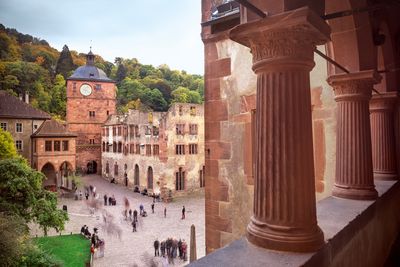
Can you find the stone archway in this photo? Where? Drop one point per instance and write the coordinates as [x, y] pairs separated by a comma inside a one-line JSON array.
[[91, 167], [50, 172], [150, 178]]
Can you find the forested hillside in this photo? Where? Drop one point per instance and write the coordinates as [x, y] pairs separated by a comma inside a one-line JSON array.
[[29, 64]]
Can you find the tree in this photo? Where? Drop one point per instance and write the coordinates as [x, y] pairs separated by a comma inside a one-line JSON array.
[[58, 97], [180, 95], [65, 63], [12, 235], [22, 195], [7, 147]]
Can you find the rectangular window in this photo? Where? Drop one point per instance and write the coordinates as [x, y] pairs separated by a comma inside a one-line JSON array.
[[97, 86], [18, 145], [65, 145], [92, 114], [119, 130], [155, 131], [74, 87], [48, 146], [18, 127], [192, 149], [180, 110], [148, 150], [193, 129], [180, 149], [131, 148], [147, 130], [56, 145], [156, 150], [137, 133], [91, 141], [3, 125], [114, 131], [193, 111], [137, 150], [107, 131], [180, 128], [131, 131]]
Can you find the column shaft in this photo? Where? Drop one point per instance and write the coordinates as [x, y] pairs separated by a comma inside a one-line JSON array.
[[354, 177], [383, 136], [284, 197]]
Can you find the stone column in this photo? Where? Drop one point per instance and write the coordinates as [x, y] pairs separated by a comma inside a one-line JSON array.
[[284, 191], [354, 177], [383, 136]]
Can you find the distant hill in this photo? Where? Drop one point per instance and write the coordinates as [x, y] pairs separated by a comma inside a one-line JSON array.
[[29, 64]]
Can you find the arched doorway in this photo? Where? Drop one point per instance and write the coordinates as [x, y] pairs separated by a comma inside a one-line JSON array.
[[180, 179], [150, 178], [136, 176], [91, 167], [65, 171], [49, 171]]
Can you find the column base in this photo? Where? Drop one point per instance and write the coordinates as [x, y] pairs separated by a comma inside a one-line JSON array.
[[366, 193], [386, 176], [284, 238]]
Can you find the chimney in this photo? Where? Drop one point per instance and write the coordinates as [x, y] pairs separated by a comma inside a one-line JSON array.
[[27, 97]]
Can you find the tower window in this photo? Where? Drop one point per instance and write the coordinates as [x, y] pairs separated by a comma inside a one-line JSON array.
[[97, 86], [92, 114], [91, 141]]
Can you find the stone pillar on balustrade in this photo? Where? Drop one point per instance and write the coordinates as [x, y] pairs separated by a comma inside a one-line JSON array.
[[282, 46], [382, 108], [354, 176]]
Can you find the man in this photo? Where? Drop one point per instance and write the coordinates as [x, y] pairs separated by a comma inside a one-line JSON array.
[[134, 226], [105, 200], [162, 246], [141, 209], [156, 248], [152, 207], [183, 212], [135, 215], [165, 212]]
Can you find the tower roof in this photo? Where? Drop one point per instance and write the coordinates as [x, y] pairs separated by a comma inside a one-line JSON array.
[[89, 72]]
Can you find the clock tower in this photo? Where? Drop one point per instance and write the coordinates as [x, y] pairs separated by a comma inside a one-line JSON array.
[[90, 100]]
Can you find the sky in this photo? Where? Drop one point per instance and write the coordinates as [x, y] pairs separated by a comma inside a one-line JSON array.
[[153, 31]]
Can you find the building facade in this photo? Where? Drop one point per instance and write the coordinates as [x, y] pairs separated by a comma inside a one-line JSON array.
[[45, 143], [156, 150], [90, 100]]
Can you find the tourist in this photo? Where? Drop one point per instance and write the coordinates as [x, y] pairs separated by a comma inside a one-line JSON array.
[[144, 213], [174, 248], [83, 229], [180, 248], [135, 215], [184, 250], [156, 248], [80, 194], [183, 212], [134, 226], [87, 195], [141, 208], [87, 233], [109, 201], [114, 201], [152, 207], [168, 245], [162, 247], [165, 212], [130, 214], [105, 200]]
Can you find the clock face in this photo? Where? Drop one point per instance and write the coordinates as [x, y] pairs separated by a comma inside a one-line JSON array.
[[86, 89]]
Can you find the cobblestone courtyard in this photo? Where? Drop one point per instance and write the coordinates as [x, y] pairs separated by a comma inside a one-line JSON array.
[[134, 248]]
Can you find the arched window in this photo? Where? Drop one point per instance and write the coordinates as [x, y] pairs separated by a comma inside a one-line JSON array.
[[136, 176], [180, 180], [108, 147], [150, 178], [116, 169], [115, 147]]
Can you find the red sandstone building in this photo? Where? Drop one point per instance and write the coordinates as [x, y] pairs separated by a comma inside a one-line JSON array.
[[277, 136], [45, 143], [90, 100]]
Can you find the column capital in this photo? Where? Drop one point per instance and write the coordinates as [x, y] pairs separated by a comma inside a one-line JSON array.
[[357, 85], [383, 102], [286, 40]]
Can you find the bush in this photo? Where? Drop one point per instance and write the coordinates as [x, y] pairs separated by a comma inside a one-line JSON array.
[[35, 256]]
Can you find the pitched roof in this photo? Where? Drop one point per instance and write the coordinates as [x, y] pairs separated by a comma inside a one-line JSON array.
[[52, 128], [13, 107]]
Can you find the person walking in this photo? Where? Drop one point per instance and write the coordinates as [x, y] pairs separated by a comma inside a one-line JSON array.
[[180, 248], [135, 215], [184, 250], [156, 248], [87, 195], [165, 212], [130, 214], [183, 212], [105, 200], [141, 208], [134, 226], [152, 207]]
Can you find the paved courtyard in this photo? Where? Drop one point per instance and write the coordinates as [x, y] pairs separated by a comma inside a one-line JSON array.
[[134, 249]]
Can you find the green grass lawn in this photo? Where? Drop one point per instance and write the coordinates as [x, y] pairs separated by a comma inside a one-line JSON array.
[[72, 250]]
